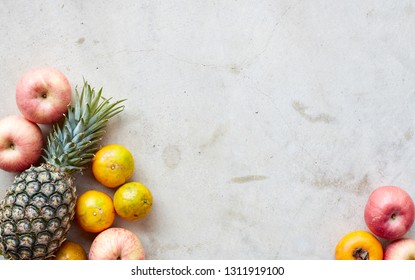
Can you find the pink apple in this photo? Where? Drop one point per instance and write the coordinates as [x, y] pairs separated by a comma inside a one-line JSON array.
[[43, 95], [389, 212], [21, 143], [116, 243], [400, 249]]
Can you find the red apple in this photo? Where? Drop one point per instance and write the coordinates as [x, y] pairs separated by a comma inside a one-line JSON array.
[[400, 249], [116, 243], [389, 212], [21, 143], [43, 95]]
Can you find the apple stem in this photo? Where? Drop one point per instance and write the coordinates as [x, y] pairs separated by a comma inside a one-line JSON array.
[[360, 254]]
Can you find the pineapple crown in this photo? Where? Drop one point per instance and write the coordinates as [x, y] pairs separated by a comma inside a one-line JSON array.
[[72, 144]]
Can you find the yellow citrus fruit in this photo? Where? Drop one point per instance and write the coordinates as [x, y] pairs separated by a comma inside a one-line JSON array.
[[94, 211], [71, 251], [133, 201], [113, 165]]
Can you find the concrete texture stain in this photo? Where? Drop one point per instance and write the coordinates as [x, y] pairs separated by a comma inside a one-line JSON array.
[[409, 134], [247, 179], [171, 156], [81, 40], [219, 132], [347, 182], [302, 110]]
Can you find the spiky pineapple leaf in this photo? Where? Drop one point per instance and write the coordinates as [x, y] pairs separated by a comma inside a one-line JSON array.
[[72, 144]]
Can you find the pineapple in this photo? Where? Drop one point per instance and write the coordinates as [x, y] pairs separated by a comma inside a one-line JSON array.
[[37, 210]]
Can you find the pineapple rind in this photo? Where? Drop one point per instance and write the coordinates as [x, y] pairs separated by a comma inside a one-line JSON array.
[[36, 214]]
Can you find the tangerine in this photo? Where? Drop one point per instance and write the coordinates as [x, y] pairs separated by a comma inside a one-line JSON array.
[[113, 165], [71, 251], [94, 211], [359, 245], [133, 201]]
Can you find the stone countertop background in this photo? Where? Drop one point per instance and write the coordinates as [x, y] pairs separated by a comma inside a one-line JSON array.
[[260, 127]]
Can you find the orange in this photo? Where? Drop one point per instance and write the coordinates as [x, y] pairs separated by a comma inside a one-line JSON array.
[[359, 245], [71, 251], [94, 211], [133, 201], [113, 165]]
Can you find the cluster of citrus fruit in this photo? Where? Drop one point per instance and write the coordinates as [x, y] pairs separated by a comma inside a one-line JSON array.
[[112, 166]]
